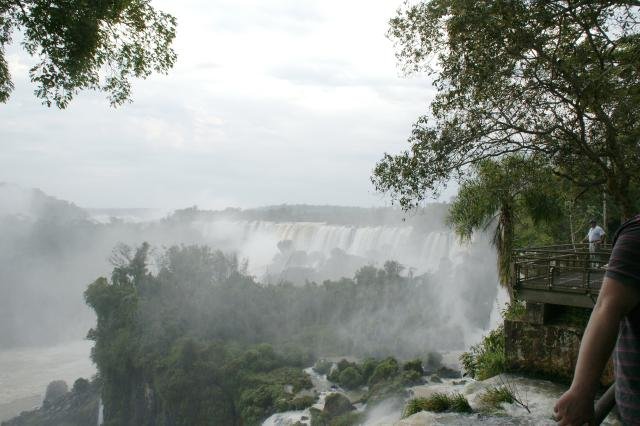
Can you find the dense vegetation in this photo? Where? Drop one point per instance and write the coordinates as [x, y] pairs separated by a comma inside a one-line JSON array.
[[51, 249], [61, 406], [199, 339], [550, 81]]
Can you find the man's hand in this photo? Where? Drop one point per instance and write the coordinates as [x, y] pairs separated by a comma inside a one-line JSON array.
[[574, 408]]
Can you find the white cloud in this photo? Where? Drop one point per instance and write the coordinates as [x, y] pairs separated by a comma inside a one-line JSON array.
[[271, 102]]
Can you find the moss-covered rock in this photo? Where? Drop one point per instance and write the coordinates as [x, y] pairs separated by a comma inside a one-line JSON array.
[[336, 404]]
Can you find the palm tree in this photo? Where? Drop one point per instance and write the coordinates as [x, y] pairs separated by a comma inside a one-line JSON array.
[[501, 194]]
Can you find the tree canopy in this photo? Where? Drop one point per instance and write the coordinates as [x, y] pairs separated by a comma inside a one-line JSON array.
[[555, 79], [97, 45]]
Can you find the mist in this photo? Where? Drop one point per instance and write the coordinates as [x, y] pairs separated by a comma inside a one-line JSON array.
[[52, 249]]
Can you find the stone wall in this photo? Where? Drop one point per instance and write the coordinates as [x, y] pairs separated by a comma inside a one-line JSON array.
[[546, 350]]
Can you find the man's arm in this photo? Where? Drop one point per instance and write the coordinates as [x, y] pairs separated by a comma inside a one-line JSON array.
[[575, 407]]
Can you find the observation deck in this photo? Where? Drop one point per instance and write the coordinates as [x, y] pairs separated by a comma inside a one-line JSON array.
[[567, 275]]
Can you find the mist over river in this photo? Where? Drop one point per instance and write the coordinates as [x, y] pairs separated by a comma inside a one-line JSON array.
[[52, 250]]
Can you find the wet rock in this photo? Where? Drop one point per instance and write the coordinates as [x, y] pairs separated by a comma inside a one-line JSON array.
[[448, 373], [435, 379]]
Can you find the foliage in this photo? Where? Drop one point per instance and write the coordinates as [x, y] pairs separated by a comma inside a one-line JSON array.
[[414, 365], [87, 45], [78, 407], [384, 377], [503, 194], [438, 403], [350, 378], [493, 397], [487, 358], [411, 378], [208, 342], [556, 79], [387, 369], [81, 385], [514, 310]]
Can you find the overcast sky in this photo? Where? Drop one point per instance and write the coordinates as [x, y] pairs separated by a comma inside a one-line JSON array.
[[271, 102]]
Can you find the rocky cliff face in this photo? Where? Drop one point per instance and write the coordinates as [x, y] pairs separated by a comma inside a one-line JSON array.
[[547, 350]]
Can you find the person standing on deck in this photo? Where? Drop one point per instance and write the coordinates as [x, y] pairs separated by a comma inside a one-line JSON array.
[[615, 321], [595, 237]]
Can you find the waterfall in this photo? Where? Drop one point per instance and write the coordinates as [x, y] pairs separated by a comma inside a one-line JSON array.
[[420, 250], [100, 412]]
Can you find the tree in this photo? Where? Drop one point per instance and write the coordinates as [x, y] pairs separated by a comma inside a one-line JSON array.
[[558, 79], [80, 45], [505, 194]]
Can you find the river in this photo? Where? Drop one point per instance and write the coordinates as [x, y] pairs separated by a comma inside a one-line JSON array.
[[26, 372]]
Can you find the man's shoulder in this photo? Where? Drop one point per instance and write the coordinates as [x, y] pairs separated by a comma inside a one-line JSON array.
[[631, 226]]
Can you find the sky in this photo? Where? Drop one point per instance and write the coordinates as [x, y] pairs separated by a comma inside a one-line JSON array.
[[270, 102]]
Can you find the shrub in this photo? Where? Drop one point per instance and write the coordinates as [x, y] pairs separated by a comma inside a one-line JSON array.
[[487, 358], [493, 397], [367, 368], [411, 378], [385, 370], [514, 310], [438, 403], [81, 386], [414, 365], [334, 376], [350, 378], [302, 402], [343, 363]]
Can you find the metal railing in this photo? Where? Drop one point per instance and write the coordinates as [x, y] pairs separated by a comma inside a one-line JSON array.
[[560, 268]]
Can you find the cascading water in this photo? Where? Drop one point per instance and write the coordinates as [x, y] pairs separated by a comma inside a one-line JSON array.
[[462, 276], [257, 241]]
